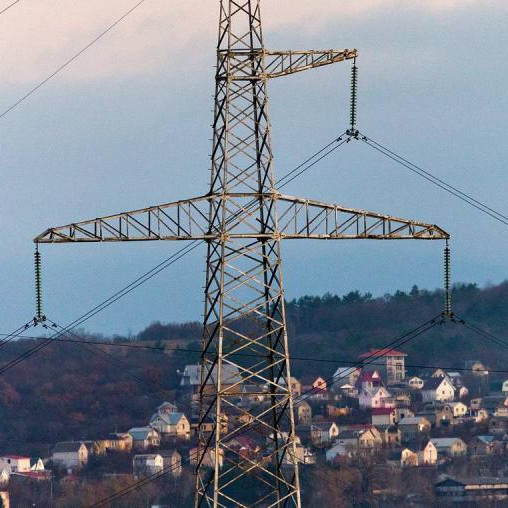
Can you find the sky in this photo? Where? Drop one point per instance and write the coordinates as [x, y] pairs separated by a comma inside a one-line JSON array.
[[127, 125]]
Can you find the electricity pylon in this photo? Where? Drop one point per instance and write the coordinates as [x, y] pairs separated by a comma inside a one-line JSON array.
[[243, 219]]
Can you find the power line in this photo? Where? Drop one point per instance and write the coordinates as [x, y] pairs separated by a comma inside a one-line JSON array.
[[162, 349], [454, 191], [5, 9], [70, 60]]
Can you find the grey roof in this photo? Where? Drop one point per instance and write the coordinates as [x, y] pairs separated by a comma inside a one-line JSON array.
[[140, 433], [411, 420], [168, 418], [485, 439], [67, 446], [229, 373], [444, 442]]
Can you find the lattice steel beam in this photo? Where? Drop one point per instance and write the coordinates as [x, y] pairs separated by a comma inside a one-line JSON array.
[[189, 220]]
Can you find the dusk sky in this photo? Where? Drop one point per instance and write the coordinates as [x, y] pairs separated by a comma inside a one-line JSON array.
[[127, 125]]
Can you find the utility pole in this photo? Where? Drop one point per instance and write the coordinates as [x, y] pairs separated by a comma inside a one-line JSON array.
[[243, 219]]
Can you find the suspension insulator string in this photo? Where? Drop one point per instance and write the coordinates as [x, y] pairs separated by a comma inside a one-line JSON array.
[[447, 281], [354, 97], [39, 316]]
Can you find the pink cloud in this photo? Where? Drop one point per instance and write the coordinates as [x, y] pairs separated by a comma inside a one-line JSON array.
[[36, 37]]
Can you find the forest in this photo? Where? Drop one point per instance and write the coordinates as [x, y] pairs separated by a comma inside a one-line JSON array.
[[76, 390]]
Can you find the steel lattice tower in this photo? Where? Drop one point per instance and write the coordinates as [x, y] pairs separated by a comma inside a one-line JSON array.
[[243, 219]]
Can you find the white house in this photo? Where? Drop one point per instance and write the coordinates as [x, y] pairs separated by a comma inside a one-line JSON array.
[[147, 465], [383, 416], [336, 452], [323, 433], [144, 437], [505, 386], [416, 382], [14, 463], [171, 425], [70, 454], [429, 454], [457, 409], [376, 397], [438, 388]]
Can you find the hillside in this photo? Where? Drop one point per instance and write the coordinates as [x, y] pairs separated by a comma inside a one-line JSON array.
[[70, 391]]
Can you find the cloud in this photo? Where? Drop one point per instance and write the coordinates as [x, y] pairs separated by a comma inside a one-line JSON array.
[[36, 37]]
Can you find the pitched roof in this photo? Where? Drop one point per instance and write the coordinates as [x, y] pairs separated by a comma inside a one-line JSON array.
[[349, 434], [433, 383], [67, 446], [167, 405], [168, 418], [140, 433], [444, 442], [376, 353], [411, 420]]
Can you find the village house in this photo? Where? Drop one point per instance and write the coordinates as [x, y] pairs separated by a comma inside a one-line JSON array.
[[144, 438], [303, 455], [370, 398], [415, 382], [369, 380], [480, 446], [167, 408], [251, 394], [323, 433], [191, 377], [295, 385], [428, 456], [304, 413], [458, 409], [478, 491], [370, 439], [336, 452], [208, 458], [348, 390], [383, 416], [438, 388], [171, 425], [477, 368], [391, 363], [71, 455], [147, 465], [449, 446], [498, 425], [171, 461], [504, 387], [14, 463], [346, 376], [244, 446], [120, 442], [392, 436], [231, 379], [408, 458], [413, 427], [314, 387], [401, 397], [338, 409]]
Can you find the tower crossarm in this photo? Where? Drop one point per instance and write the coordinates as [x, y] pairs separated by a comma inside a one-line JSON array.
[[260, 64], [188, 219], [282, 63], [304, 218]]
